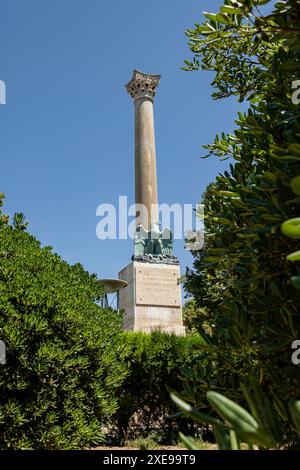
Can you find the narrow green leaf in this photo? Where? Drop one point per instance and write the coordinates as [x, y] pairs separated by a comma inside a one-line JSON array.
[[230, 10], [232, 412], [291, 228], [295, 184], [193, 412], [187, 442], [294, 256]]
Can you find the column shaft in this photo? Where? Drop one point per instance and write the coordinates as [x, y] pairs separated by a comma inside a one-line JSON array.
[[142, 88], [145, 161]]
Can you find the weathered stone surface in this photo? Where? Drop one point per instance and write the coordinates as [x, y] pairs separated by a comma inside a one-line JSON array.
[[157, 285], [126, 295], [152, 300]]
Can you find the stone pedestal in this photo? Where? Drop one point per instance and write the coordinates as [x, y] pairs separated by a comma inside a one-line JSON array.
[[152, 299]]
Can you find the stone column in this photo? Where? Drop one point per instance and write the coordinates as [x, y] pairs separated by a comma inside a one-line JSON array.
[[142, 88]]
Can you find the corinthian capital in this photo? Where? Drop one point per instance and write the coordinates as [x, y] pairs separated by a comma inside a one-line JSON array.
[[143, 85]]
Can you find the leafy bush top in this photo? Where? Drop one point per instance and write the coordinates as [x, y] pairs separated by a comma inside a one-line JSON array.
[[62, 349]]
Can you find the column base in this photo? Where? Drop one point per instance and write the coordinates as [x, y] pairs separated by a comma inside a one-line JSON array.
[[152, 299]]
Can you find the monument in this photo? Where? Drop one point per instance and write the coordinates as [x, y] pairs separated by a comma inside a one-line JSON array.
[[152, 299]]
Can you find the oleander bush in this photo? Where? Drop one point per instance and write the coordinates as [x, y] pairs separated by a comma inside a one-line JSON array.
[[155, 364], [63, 365]]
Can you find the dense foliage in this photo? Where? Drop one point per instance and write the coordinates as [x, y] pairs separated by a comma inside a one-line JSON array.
[[244, 280], [155, 362], [62, 370]]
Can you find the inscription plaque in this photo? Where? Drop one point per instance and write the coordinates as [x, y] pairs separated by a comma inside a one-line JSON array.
[[157, 287]]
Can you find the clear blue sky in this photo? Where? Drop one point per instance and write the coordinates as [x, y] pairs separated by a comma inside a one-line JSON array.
[[66, 132]]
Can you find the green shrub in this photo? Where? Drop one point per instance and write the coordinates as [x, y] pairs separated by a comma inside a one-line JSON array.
[[62, 370], [244, 281], [154, 362]]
